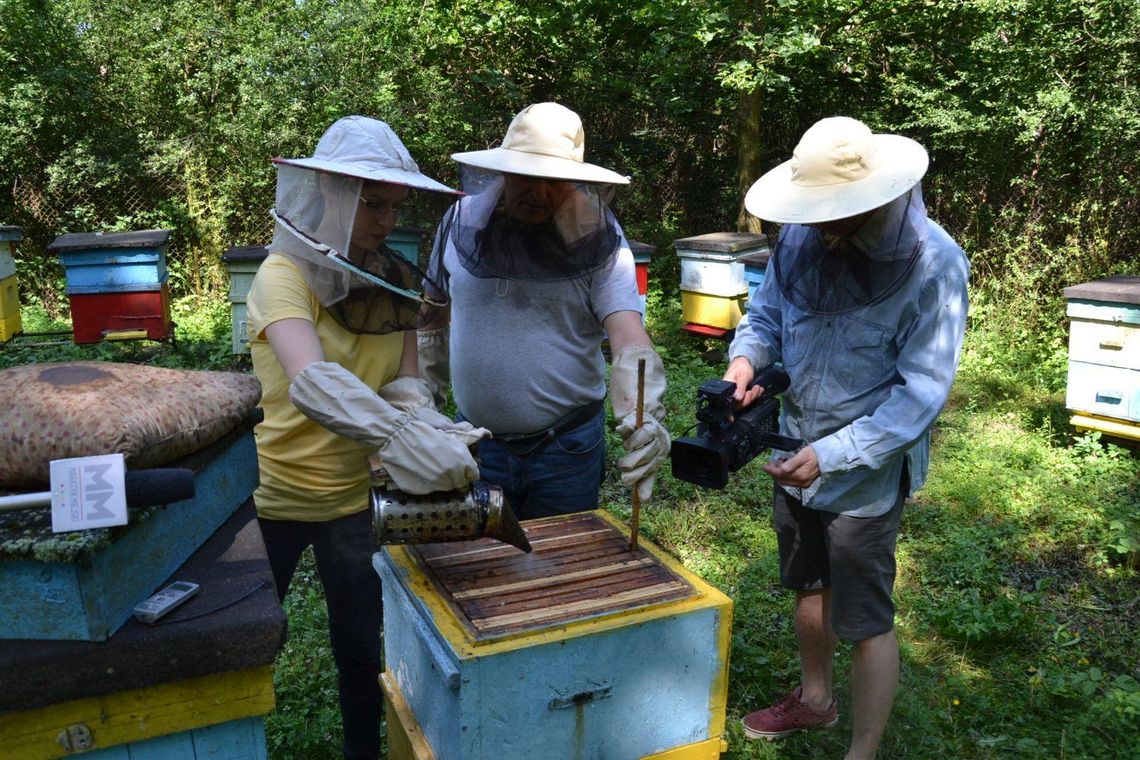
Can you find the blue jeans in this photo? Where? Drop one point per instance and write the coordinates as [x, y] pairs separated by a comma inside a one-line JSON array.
[[556, 478], [343, 549]]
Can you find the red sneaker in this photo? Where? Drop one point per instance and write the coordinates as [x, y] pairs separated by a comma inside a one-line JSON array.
[[788, 716]]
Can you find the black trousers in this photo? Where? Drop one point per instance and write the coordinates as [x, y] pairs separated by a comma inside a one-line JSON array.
[[343, 549]]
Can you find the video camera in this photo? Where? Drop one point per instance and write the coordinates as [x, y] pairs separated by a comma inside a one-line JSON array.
[[727, 438]]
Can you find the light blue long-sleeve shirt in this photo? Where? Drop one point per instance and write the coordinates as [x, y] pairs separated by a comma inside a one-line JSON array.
[[866, 385]]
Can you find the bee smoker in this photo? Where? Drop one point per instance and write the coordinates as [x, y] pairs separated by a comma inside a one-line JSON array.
[[401, 518]]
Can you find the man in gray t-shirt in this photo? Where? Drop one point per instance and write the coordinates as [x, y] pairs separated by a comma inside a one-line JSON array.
[[538, 272]]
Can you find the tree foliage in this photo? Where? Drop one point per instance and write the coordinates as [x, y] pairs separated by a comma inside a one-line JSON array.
[[1029, 109]]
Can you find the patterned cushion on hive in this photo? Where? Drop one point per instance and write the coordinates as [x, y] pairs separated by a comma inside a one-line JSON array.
[[151, 415]]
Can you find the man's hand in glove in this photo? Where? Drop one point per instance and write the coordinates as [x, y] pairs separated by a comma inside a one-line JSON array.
[[418, 457], [648, 446]]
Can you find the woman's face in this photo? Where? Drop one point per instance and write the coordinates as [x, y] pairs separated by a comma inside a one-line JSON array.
[[534, 199], [377, 214]]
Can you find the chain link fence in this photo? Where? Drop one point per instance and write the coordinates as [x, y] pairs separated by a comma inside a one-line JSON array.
[[202, 228]]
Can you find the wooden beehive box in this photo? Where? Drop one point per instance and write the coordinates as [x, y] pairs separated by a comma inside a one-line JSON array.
[[116, 284], [85, 590], [581, 649], [714, 288], [1103, 387], [9, 236], [242, 263], [114, 262], [194, 687], [642, 257], [406, 241], [755, 268], [10, 322]]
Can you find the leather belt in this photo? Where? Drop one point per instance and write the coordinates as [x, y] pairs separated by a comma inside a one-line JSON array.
[[571, 421]]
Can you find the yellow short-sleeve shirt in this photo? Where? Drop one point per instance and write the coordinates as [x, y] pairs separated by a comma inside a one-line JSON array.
[[307, 472]]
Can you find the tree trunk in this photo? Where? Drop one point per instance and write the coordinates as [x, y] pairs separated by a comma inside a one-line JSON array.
[[748, 164]]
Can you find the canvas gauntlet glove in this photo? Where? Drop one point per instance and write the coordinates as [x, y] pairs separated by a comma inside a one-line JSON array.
[[648, 446], [412, 395], [435, 361], [419, 458]]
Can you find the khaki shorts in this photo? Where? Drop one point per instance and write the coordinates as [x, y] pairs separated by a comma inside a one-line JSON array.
[[852, 556]]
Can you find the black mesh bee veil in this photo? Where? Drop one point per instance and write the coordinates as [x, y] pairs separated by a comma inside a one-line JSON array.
[[824, 274]]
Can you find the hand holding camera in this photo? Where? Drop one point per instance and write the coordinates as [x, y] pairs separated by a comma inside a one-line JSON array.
[[729, 438]]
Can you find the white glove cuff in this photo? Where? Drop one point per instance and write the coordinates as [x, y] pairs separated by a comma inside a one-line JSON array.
[[623, 382], [407, 393]]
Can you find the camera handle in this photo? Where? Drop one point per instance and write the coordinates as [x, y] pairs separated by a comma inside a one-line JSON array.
[[775, 380]]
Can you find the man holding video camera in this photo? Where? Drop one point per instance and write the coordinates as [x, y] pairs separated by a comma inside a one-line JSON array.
[[864, 304]]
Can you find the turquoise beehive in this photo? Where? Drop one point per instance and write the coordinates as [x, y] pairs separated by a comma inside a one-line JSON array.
[[581, 649]]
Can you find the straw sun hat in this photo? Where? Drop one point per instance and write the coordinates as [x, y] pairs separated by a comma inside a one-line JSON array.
[[543, 140], [357, 146], [838, 170]]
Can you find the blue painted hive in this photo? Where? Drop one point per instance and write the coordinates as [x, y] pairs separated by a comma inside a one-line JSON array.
[[58, 587], [113, 262], [406, 240], [194, 687], [755, 268], [582, 649]]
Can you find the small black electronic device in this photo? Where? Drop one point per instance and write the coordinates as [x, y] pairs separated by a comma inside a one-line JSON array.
[[164, 601], [728, 438]]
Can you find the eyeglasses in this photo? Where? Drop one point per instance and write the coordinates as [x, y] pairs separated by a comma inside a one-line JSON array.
[[381, 207]]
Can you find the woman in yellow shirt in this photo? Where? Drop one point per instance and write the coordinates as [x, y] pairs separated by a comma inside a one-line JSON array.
[[332, 318]]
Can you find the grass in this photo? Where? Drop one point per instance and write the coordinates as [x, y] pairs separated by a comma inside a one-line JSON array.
[[1017, 591]]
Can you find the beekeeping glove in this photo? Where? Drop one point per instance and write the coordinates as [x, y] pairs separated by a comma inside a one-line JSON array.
[[435, 361], [648, 446], [418, 458], [412, 395]]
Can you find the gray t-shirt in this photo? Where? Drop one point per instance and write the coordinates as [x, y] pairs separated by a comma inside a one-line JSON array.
[[525, 353]]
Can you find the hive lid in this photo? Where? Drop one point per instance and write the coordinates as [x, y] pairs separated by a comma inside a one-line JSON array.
[[1121, 288], [581, 567], [245, 253], [639, 248], [74, 241], [721, 242], [756, 259], [10, 232]]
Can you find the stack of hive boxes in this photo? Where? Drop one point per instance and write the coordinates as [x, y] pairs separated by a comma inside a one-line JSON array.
[[80, 674], [1104, 356], [116, 284], [642, 255], [241, 262], [10, 324], [714, 289]]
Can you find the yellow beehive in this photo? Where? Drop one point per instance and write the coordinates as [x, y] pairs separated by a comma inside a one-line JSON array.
[[172, 712], [716, 311], [9, 309]]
